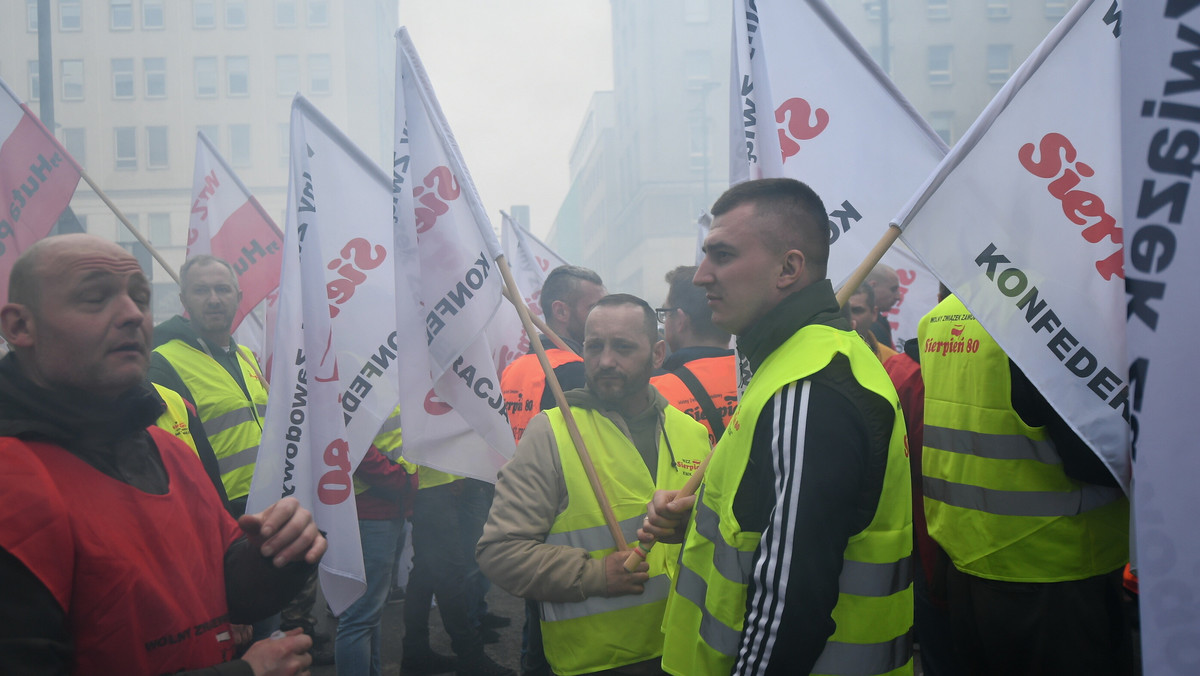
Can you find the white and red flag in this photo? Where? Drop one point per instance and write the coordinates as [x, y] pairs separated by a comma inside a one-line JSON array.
[[229, 223], [1022, 220], [448, 292], [1160, 135], [37, 180], [810, 104], [529, 258], [335, 371]]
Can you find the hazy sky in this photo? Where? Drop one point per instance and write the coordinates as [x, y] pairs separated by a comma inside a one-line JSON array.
[[514, 78]]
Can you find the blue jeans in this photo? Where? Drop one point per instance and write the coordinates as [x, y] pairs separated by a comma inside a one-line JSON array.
[[359, 635]]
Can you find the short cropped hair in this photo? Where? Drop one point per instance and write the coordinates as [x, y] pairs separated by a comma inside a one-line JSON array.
[[563, 284], [801, 218], [681, 293], [205, 259], [867, 289], [650, 319]]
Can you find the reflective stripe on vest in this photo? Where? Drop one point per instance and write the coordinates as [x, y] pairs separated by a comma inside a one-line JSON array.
[[997, 498], [873, 615], [620, 630], [232, 422]]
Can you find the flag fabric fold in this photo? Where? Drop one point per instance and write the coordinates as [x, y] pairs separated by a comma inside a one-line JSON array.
[[335, 372], [810, 104], [37, 180], [1160, 135], [1021, 221], [454, 330]]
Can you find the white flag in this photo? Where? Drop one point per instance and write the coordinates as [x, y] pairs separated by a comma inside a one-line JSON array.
[[812, 105], [1020, 221], [229, 223], [335, 373], [1161, 138], [530, 259], [448, 291]]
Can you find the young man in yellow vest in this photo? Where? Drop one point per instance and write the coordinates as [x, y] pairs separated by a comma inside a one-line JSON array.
[[797, 549], [702, 378], [1035, 525], [546, 538]]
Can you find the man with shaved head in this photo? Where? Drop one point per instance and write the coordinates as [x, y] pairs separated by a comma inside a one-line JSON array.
[[117, 554], [796, 554], [885, 284]]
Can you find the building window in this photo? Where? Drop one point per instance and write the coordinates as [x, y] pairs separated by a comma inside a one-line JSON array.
[[204, 13], [237, 72], [318, 12], [70, 15], [35, 81], [235, 13], [206, 77], [287, 75], [75, 141], [72, 79], [125, 150], [156, 77], [120, 15], [942, 122], [213, 132], [122, 74], [1056, 9], [156, 147], [939, 64], [695, 11], [999, 64], [152, 15], [998, 9], [31, 23], [160, 229], [239, 145], [320, 74], [285, 13], [938, 9]]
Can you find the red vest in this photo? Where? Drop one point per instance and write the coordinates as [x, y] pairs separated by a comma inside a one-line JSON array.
[[718, 375], [523, 383], [140, 577]]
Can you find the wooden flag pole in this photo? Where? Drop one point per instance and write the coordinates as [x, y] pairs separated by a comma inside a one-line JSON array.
[[864, 268], [537, 321], [129, 226], [638, 554], [572, 428]]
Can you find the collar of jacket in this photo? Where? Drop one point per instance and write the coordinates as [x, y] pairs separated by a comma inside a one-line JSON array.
[[814, 304]]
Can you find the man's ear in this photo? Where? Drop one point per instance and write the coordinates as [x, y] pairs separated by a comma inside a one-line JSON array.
[[659, 353], [793, 269], [560, 312], [17, 325]]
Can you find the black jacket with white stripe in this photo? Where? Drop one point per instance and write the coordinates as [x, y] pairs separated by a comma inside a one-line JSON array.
[[806, 517]]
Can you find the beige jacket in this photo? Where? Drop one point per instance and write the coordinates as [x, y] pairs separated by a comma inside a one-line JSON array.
[[530, 494]]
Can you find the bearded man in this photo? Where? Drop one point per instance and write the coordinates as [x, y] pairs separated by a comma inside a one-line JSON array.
[[546, 538]]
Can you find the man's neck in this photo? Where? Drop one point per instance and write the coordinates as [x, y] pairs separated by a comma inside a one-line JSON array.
[[214, 341], [635, 405]]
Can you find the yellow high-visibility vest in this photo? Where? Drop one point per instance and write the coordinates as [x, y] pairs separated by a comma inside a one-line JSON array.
[[874, 611], [996, 497]]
